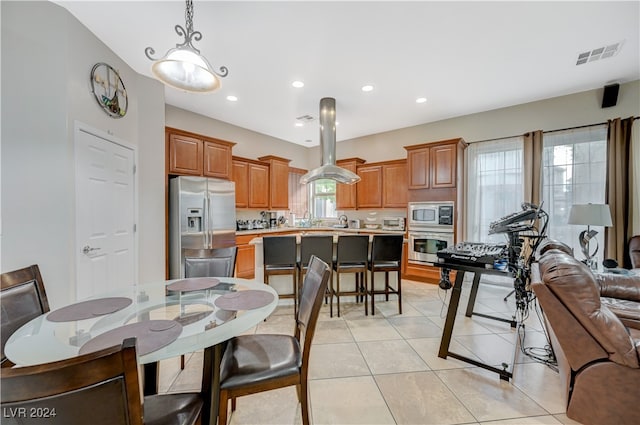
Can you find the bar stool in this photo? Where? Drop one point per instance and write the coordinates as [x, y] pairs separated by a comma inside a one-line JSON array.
[[386, 256], [322, 247], [352, 254], [280, 258]]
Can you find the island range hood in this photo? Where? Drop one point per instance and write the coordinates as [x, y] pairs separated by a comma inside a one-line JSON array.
[[329, 169]]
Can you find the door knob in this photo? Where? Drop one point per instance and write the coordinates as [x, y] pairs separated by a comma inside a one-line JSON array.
[[87, 249]]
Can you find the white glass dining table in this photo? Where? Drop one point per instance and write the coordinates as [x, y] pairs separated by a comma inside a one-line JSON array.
[[193, 318]]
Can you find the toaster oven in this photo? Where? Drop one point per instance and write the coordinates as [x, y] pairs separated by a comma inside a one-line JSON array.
[[393, 223]]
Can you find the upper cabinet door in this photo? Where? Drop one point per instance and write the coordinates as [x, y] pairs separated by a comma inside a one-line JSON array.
[[278, 182], [443, 166], [346, 193], [418, 163], [241, 178], [217, 160], [394, 185], [369, 188], [258, 186], [185, 155]]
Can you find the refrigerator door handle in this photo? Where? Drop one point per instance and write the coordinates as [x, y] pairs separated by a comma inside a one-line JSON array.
[[209, 223], [205, 217]]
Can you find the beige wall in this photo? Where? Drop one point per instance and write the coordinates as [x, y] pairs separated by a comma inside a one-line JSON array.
[[47, 56], [549, 114], [250, 144]]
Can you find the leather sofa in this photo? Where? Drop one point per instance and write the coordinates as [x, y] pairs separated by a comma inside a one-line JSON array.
[[634, 251], [598, 354], [620, 293]]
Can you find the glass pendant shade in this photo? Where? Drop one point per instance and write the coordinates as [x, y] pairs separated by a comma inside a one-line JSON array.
[[184, 69]]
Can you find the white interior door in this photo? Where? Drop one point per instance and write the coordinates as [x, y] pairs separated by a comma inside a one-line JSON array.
[[105, 214]]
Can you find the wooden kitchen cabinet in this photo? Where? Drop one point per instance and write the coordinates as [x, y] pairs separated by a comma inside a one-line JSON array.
[[258, 186], [369, 188], [185, 155], [394, 184], [278, 182], [217, 160], [434, 165], [252, 183], [443, 166], [240, 176], [418, 168], [197, 155], [346, 194], [245, 258]]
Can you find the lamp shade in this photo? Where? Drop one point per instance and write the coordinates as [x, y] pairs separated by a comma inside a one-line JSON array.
[[184, 69], [590, 215]]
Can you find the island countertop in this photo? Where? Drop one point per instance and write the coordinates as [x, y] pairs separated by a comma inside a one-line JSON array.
[[317, 230]]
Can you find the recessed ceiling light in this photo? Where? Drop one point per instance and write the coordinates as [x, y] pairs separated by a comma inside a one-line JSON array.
[[299, 124], [297, 84], [232, 98], [421, 100], [367, 88], [308, 141]]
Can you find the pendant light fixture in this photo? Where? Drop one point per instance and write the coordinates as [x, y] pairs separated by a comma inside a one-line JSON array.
[[183, 67]]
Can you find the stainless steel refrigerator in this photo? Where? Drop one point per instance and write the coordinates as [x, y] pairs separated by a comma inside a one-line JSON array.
[[202, 217]]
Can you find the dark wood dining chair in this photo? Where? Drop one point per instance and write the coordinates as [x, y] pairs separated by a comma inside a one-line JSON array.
[[22, 297], [386, 256], [99, 388], [262, 362], [218, 262]]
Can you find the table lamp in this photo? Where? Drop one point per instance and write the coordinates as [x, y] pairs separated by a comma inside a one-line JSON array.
[[589, 215]]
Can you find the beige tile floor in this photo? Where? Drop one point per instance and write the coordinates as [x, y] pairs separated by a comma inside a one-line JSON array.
[[385, 369]]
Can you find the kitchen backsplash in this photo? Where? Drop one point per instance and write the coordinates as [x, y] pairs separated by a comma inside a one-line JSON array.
[[253, 218]]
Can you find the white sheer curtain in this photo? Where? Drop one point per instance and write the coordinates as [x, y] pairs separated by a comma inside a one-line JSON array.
[[494, 186]]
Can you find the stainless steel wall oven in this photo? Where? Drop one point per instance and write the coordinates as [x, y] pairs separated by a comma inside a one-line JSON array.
[[423, 245], [431, 226]]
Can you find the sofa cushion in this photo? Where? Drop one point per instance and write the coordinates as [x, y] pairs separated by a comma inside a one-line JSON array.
[[627, 311], [624, 287], [574, 284]]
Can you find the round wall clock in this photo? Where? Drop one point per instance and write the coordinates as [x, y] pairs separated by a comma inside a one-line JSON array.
[[109, 90]]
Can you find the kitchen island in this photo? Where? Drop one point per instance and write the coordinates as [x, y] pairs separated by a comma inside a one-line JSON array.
[[282, 284]]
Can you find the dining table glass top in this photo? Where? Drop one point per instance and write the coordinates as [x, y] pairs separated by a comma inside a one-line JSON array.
[[178, 321]]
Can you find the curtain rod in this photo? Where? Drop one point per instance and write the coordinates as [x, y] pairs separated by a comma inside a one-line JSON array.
[[544, 132]]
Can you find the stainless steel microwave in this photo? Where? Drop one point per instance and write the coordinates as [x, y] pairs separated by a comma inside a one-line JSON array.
[[433, 215]]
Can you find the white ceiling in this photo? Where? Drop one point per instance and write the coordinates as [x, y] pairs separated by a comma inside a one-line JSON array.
[[464, 57]]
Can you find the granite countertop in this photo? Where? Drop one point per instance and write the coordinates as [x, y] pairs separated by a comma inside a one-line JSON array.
[[316, 229]]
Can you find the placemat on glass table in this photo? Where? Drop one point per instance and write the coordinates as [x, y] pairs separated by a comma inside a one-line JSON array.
[[244, 300], [89, 309], [151, 335]]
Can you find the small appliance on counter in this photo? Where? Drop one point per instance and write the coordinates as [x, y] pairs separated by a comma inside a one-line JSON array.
[[342, 222], [355, 224], [393, 223]]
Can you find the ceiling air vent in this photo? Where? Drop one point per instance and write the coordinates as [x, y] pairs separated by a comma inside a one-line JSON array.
[[305, 119], [599, 53]]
